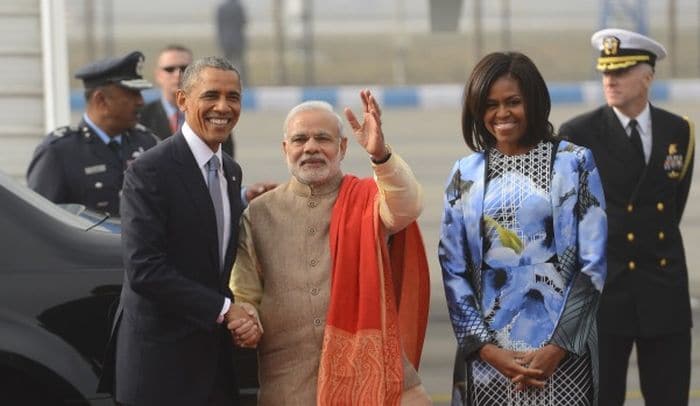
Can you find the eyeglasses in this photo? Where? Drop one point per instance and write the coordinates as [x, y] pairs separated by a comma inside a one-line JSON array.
[[171, 69]]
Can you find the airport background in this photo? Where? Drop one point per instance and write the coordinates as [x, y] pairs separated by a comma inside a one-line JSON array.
[[388, 42], [393, 48]]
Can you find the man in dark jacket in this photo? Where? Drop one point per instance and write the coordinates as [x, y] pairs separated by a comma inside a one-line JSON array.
[[180, 210], [645, 158], [85, 164]]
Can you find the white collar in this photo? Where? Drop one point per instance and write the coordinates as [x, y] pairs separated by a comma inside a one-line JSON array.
[[643, 119], [201, 151]]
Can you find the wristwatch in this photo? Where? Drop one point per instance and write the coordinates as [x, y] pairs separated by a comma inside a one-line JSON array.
[[387, 147]]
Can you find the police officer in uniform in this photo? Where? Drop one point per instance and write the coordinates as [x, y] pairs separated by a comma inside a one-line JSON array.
[[85, 164], [645, 158]]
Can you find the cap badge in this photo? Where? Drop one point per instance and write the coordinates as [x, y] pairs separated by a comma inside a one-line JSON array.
[[139, 66], [611, 45]]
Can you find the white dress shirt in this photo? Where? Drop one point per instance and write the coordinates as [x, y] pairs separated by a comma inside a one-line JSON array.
[[202, 154], [643, 126]]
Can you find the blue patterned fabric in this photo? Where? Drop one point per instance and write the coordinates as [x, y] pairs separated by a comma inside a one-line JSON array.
[[523, 252]]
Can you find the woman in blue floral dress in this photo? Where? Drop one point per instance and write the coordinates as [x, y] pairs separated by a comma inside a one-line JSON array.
[[522, 247]]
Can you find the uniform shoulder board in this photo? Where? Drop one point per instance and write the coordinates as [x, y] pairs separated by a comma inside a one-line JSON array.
[[61, 133], [141, 127]]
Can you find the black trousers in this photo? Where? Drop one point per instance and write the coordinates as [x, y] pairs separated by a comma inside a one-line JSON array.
[[664, 368], [222, 393]]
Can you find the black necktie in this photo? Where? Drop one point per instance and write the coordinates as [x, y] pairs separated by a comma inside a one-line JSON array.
[[116, 148], [636, 140]]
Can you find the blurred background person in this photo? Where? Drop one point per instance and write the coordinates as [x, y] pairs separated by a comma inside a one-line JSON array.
[[522, 247], [85, 164], [645, 156], [230, 27], [162, 115]]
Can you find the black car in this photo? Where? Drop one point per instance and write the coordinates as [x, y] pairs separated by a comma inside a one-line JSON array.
[[60, 280]]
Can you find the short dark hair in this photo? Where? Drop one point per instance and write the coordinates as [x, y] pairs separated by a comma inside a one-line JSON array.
[[191, 74], [535, 97], [175, 47]]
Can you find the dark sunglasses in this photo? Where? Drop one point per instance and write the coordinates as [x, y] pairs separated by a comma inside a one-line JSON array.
[[171, 69]]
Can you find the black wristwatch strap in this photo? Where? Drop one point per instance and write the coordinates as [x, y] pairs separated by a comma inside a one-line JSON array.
[[386, 158]]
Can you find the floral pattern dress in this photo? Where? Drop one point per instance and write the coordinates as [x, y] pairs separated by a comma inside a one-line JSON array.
[[522, 252]]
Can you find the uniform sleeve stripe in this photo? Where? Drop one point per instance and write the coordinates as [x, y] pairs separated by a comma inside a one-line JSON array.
[[691, 146]]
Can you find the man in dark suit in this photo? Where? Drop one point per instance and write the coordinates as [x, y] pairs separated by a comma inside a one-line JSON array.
[[162, 115], [180, 211], [85, 164], [645, 158]]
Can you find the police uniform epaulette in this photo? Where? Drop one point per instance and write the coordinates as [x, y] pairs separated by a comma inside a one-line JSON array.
[[61, 131], [141, 127]]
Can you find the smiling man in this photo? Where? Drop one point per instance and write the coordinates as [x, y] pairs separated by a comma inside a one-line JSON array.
[[180, 210], [324, 310], [645, 158]]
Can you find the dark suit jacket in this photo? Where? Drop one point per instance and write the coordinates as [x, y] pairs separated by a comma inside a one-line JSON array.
[[168, 344], [73, 165], [154, 117], [646, 291]]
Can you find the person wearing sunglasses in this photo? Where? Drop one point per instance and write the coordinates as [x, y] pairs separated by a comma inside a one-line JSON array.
[[162, 115]]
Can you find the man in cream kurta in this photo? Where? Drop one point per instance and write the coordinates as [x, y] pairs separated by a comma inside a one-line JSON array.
[[284, 265]]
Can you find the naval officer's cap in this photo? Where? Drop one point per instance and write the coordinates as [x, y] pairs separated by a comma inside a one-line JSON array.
[[621, 49], [124, 71]]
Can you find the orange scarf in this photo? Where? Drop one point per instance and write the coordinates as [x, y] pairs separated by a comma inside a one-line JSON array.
[[378, 304]]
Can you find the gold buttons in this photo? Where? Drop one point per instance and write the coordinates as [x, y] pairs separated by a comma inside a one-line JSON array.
[[313, 262], [630, 237], [661, 235], [314, 291], [312, 203], [663, 262], [317, 322], [631, 265], [630, 208], [311, 230], [660, 206]]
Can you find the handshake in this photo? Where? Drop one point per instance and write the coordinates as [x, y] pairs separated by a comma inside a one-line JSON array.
[[244, 324]]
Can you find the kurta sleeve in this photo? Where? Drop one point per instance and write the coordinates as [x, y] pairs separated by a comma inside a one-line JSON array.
[[400, 195], [457, 271], [577, 322], [246, 278]]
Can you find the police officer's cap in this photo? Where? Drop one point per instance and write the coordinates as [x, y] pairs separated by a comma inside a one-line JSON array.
[[621, 49], [124, 71]]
